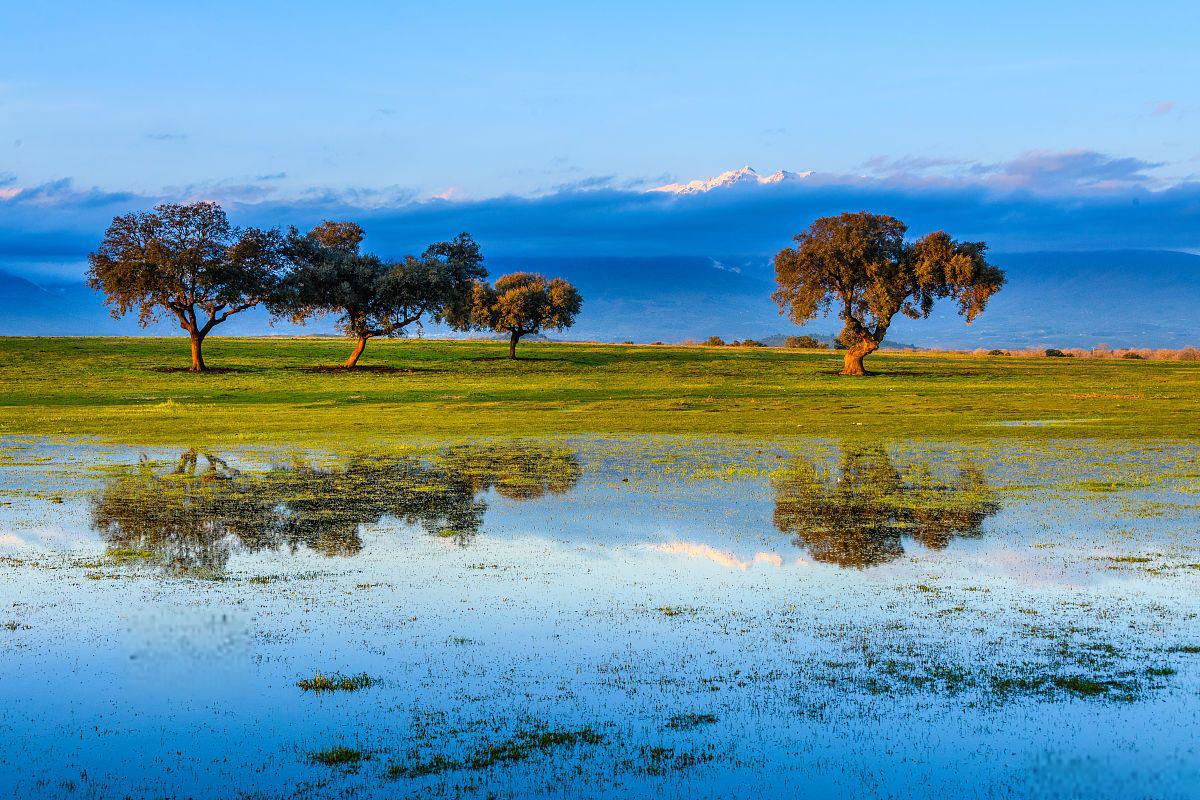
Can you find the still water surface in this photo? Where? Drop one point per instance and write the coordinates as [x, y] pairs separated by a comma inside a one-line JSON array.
[[601, 618]]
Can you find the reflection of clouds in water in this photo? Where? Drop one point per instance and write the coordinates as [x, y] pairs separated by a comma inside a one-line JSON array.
[[721, 557], [48, 537]]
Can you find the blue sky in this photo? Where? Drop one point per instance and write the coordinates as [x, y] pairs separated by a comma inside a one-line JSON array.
[[1028, 111]]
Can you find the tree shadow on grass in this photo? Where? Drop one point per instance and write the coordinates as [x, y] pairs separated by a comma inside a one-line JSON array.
[[207, 370], [371, 369], [558, 359], [338, 369]]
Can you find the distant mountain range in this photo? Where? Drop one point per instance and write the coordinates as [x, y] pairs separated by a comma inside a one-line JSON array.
[[746, 176], [1120, 298]]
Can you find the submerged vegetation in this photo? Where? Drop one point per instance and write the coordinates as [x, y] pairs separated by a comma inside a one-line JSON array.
[[523, 745], [335, 682], [338, 756]]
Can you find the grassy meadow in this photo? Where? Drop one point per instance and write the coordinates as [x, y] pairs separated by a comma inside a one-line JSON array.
[[279, 390]]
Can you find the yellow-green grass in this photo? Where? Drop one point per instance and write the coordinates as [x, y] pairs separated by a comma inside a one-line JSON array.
[[270, 391]]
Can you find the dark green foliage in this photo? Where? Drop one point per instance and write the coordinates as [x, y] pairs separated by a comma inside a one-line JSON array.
[[1054, 352], [804, 342], [372, 297], [460, 263]]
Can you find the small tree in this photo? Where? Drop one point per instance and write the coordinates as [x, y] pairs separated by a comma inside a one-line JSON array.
[[714, 341], [804, 342], [371, 297], [185, 261], [861, 263], [522, 303]]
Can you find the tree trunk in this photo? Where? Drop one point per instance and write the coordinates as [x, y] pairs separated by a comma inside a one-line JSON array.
[[512, 344], [197, 355], [855, 355], [358, 351]]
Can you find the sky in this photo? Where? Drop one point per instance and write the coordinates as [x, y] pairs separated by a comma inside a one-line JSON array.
[[1036, 125]]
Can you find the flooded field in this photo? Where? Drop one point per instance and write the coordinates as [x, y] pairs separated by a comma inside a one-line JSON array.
[[601, 618]]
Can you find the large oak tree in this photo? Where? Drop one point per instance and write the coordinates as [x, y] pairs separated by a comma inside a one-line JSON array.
[[522, 303], [861, 265], [185, 261], [372, 297]]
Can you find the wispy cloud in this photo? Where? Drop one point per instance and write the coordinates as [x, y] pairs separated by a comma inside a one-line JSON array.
[[1038, 171], [167, 137], [1162, 108]]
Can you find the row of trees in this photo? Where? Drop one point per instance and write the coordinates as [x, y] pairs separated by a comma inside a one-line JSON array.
[[188, 262]]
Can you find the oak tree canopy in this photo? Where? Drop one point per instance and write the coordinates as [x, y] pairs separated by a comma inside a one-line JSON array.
[[861, 265]]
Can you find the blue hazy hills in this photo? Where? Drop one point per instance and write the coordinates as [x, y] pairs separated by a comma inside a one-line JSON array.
[[1066, 299]]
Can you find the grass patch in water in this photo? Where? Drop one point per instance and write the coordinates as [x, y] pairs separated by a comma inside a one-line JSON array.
[[337, 756], [335, 682], [659, 760], [126, 555], [522, 746], [685, 722]]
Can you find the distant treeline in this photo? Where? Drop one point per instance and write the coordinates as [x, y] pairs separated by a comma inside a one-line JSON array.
[[1100, 351]]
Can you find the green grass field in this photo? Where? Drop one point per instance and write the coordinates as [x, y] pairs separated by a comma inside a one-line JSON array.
[[275, 391]]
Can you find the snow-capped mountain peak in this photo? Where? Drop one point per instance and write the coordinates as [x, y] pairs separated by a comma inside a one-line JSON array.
[[746, 176]]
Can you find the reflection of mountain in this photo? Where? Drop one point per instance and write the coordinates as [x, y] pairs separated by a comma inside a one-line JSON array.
[[197, 515], [859, 515]]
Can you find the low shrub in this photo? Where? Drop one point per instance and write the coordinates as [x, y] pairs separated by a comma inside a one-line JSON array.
[[804, 343]]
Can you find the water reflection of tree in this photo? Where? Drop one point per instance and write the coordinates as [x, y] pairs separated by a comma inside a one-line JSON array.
[[858, 514], [521, 471], [194, 516]]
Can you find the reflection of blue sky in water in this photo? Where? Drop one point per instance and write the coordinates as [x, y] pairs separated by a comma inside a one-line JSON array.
[[151, 683]]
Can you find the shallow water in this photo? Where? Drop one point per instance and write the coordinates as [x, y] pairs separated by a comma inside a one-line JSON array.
[[602, 618]]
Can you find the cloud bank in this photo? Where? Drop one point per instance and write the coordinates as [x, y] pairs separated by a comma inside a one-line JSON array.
[[1066, 200]]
